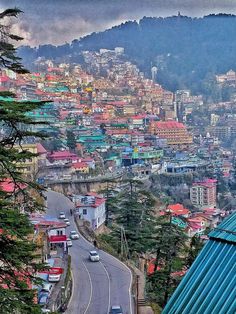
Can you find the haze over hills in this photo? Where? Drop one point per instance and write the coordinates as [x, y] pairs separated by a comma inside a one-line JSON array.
[[187, 51]]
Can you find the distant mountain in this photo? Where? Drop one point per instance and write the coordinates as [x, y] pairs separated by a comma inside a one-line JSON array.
[[185, 50]]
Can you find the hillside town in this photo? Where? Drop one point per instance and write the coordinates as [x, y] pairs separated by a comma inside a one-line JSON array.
[[106, 125]]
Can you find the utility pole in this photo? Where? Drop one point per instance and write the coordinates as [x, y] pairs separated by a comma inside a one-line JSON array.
[[137, 294]]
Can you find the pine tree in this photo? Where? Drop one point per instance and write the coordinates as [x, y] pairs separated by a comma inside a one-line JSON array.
[[134, 215], [18, 260], [71, 140], [169, 248]]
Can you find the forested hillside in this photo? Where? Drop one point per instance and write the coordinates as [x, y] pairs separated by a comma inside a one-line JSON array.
[[186, 50]]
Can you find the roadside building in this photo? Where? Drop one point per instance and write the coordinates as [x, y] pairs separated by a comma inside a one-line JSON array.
[[91, 207]]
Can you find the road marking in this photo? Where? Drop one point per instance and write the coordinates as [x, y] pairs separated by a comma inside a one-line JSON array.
[[131, 275], [131, 280], [109, 288], [91, 288]]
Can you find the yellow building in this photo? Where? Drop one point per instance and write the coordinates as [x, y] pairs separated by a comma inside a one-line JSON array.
[[28, 166], [81, 167], [174, 132]]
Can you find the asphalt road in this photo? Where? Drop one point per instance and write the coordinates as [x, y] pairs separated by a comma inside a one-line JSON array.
[[97, 285]]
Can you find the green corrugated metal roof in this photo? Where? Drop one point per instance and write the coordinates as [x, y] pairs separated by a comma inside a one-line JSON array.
[[226, 230], [209, 285]]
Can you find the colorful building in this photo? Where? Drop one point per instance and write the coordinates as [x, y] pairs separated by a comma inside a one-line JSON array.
[[203, 194], [175, 132]]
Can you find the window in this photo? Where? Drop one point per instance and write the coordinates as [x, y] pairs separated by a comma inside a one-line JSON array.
[[84, 211]]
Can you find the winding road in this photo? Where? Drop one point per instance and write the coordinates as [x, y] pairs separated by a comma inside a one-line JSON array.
[[96, 286]]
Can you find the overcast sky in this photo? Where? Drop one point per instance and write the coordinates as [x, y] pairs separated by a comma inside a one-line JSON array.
[[60, 21]]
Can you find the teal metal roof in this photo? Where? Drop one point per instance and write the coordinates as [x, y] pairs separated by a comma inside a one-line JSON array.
[[209, 287], [226, 230]]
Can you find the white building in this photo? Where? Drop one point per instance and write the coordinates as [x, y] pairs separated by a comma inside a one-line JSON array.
[[91, 207]]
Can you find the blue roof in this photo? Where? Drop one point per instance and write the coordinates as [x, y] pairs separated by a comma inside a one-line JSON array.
[[226, 230], [209, 287]]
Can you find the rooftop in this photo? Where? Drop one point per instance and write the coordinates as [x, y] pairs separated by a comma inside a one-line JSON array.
[[209, 285], [169, 125]]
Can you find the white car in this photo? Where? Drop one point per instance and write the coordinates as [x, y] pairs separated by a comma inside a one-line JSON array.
[[69, 242], [66, 220], [54, 277], [46, 311], [74, 235], [62, 215], [93, 256]]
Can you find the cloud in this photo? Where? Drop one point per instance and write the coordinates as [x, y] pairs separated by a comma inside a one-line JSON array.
[[59, 21]]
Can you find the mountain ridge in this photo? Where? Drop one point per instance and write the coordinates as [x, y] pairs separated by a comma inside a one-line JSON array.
[[186, 50]]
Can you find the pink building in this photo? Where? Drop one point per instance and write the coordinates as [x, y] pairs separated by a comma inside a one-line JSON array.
[[203, 194], [65, 156]]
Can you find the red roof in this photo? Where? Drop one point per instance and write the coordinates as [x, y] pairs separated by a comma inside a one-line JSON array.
[[79, 165], [178, 209], [169, 125], [52, 224], [207, 183], [24, 277], [57, 238], [140, 116], [4, 78], [53, 271], [41, 149], [151, 267], [9, 186], [62, 154]]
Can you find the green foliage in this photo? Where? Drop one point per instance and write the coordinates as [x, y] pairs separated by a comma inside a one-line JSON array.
[[169, 247], [195, 246], [71, 140], [187, 51], [17, 251], [8, 57]]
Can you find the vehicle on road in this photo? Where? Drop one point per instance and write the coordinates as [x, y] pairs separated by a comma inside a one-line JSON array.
[[43, 298], [74, 235], [66, 220], [116, 309], [93, 256], [54, 277], [47, 287], [62, 215], [69, 242], [46, 311]]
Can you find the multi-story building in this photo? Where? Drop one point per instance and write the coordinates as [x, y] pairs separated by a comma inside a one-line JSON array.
[[91, 207], [28, 166], [203, 194], [175, 132]]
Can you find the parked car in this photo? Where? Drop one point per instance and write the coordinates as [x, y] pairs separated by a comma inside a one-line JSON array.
[[69, 242], [62, 215], [47, 287], [93, 256], [66, 220], [54, 277], [43, 298], [116, 309], [46, 310], [74, 235]]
